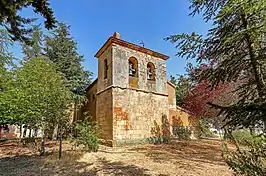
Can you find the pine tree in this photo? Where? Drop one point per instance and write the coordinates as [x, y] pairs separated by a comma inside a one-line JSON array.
[[235, 46], [61, 49], [36, 48], [16, 24]]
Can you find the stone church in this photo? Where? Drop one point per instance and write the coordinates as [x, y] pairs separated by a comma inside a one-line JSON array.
[[131, 93]]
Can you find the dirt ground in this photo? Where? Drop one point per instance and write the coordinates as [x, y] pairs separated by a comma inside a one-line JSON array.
[[197, 157]]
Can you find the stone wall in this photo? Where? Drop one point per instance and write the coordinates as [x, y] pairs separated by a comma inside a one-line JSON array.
[[104, 108], [135, 113], [121, 74], [104, 111], [127, 107], [90, 107], [102, 82], [171, 95], [179, 117]]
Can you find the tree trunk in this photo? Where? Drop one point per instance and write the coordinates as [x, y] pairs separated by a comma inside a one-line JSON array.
[[43, 144], [264, 125], [0, 131], [60, 144], [20, 131], [30, 132], [254, 64], [24, 131], [55, 133], [35, 132], [75, 112]]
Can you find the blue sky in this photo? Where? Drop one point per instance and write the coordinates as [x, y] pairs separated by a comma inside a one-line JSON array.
[[94, 21]]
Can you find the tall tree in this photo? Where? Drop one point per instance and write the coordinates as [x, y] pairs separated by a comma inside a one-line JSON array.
[[39, 96], [6, 59], [16, 24], [36, 48], [235, 45], [61, 49]]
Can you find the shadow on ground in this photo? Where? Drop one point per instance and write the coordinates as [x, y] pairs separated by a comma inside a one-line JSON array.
[[27, 165], [119, 168], [199, 157], [190, 155]]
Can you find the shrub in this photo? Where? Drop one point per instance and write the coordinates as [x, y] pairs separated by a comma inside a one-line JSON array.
[[205, 128], [85, 134], [244, 137], [182, 133], [247, 160]]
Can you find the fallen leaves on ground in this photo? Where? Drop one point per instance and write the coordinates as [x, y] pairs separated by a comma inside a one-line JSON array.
[[196, 157]]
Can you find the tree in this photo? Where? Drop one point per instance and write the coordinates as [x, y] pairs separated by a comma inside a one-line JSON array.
[[6, 59], [197, 101], [235, 45], [61, 49], [15, 23], [38, 97], [36, 48], [183, 87]]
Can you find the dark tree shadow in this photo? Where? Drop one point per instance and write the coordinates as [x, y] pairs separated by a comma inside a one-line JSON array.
[[177, 121], [165, 127], [31, 165], [46, 165], [119, 168]]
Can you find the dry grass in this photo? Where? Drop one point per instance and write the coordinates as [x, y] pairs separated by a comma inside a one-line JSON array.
[[200, 157]]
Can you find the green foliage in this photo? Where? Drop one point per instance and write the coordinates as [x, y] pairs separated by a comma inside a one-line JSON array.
[[249, 160], [182, 132], [183, 86], [16, 24], [36, 48], [86, 134], [205, 128], [38, 96], [61, 49], [235, 48], [6, 60], [244, 137], [40, 92]]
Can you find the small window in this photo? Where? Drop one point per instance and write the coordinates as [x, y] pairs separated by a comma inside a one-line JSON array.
[[133, 67], [105, 69], [150, 71]]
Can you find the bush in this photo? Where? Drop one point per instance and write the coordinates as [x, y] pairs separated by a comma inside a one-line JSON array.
[[182, 133], [248, 160], [205, 128], [244, 137], [85, 134]]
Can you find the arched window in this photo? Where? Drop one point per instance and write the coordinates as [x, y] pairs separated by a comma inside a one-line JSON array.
[[150, 71], [133, 67], [105, 69]]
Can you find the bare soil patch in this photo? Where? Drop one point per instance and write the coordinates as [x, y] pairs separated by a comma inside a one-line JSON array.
[[197, 157]]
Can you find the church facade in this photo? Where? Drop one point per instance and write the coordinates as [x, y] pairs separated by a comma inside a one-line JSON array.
[[131, 94]]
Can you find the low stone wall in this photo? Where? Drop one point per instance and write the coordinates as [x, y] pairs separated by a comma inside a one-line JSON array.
[[181, 118]]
